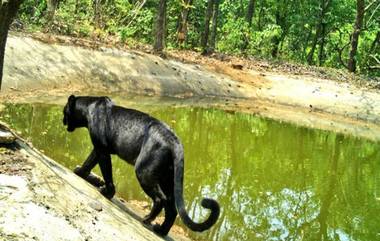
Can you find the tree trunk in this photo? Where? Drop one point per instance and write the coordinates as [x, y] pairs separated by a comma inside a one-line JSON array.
[[323, 27], [206, 31], [355, 35], [320, 29], [275, 43], [280, 21], [52, 6], [214, 27], [321, 54], [159, 41], [97, 13], [262, 13], [276, 39], [8, 10], [182, 29], [250, 12], [248, 18]]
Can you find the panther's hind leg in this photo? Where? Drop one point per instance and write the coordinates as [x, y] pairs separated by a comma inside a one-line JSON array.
[[170, 216], [156, 209], [167, 185], [153, 190], [147, 168]]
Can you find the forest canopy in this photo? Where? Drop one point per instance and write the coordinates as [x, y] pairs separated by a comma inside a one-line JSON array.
[[332, 33]]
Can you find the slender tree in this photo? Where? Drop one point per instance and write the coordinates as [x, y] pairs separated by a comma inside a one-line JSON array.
[[248, 18], [8, 10], [159, 41], [322, 40], [250, 12], [182, 28], [320, 32], [214, 26], [205, 36], [97, 6], [360, 7], [52, 6], [261, 14], [282, 19]]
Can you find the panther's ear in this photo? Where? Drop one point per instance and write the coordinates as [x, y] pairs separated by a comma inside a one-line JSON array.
[[71, 101], [71, 98], [108, 101]]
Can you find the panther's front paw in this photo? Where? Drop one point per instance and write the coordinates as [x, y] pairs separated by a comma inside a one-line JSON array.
[[95, 180], [147, 220], [78, 171], [107, 191], [159, 230]]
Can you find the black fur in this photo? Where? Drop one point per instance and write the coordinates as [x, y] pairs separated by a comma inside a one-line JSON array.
[[143, 141]]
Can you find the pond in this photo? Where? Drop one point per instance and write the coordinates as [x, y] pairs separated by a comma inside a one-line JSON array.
[[273, 180]]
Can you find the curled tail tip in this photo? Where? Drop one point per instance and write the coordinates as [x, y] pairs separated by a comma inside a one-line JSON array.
[[210, 204], [214, 208], [207, 203]]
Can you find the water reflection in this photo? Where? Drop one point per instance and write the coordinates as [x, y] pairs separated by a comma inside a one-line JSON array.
[[274, 181]]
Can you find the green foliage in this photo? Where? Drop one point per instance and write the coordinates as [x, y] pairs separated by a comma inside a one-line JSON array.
[[280, 29], [233, 35], [261, 42], [142, 26], [32, 13]]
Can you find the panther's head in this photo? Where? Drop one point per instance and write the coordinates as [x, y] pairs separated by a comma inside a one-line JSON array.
[[68, 114]]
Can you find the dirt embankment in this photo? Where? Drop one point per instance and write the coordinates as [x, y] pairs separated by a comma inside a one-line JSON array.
[[56, 67], [34, 65]]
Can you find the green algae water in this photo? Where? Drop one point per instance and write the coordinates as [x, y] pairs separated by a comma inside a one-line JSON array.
[[273, 180]]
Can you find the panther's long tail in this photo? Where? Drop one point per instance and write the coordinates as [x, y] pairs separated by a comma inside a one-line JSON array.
[[178, 196]]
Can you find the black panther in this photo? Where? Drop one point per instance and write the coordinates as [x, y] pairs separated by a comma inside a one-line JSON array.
[[143, 141]]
